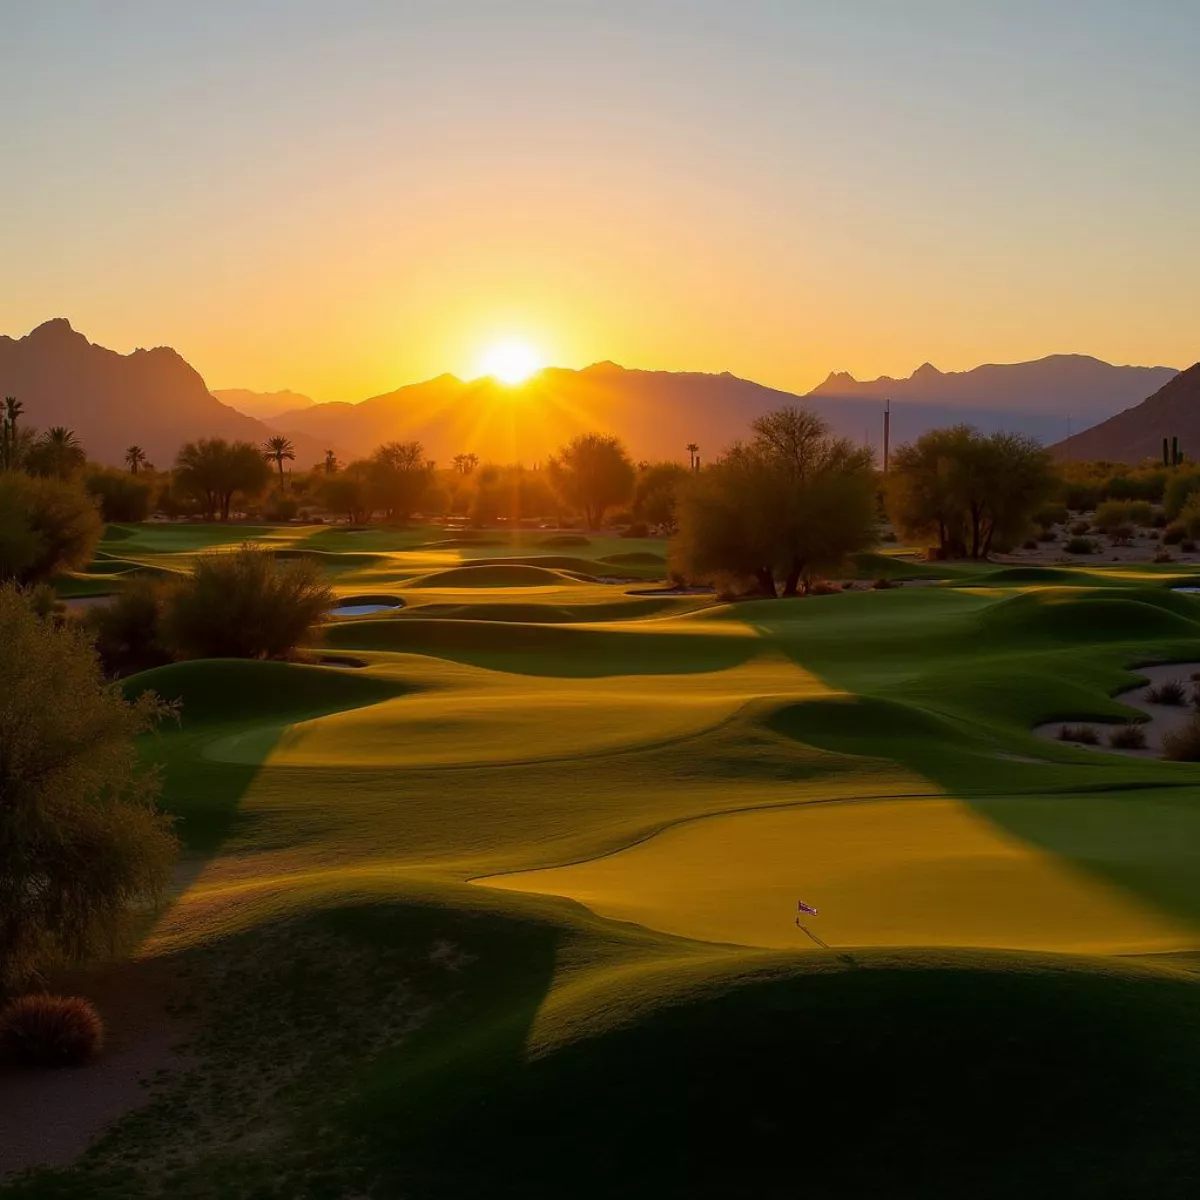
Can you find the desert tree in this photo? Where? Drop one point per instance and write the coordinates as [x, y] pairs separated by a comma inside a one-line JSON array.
[[655, 492], [47, 526], [245, 603], [779, 509], [693, 451], [279, 449], [330, 463], [213, 471], [135, 458], [348, 492], [969, 491], [13, 409], [82, 842], [592, 473], [58, 452], [398, 474]]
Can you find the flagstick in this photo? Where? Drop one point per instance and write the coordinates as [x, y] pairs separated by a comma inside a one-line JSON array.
[[809, 932]]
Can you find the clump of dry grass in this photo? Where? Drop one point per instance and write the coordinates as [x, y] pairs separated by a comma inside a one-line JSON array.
[[50, 1031], [1183, 744], [1127, 737], [1084, 734], [1170, 691]]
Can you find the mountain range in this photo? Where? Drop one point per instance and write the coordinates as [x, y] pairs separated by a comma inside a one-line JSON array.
[[153, 398], [659, 412], [1137, 433], [158, 400]]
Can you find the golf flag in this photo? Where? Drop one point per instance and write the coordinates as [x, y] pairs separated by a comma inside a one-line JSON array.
[[806, 908]]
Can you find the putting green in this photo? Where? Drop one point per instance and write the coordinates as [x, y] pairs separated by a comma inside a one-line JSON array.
[[882, 873]]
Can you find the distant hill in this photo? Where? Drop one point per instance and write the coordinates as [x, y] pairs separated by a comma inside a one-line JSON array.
[[659, 412], [151, 397], [263, 405], [1062, 386], [1137, 433]]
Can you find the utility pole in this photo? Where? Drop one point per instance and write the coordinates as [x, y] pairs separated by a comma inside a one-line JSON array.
[[887, 433]]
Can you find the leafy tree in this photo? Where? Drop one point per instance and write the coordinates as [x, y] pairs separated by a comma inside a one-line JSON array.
[[47, 526], [81, 839], [399, 473], [592, 473], [127, 631], [244, 604], [279, 449], [789, 504], [58, 453], [655, 492], [348, 492], [135, 457], [213, 471], [967, 490], [121, 497]]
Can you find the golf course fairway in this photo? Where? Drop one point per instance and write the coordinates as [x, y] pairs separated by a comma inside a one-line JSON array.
[[495, 893]]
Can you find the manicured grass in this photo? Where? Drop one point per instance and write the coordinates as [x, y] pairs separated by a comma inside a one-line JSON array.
[[509, 910]]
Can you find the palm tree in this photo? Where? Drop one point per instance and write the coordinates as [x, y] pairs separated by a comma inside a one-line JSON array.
[[64, 452], [135, 456], [694, 451], [278, 448], [331, 463], [12, 410], [472, 462]]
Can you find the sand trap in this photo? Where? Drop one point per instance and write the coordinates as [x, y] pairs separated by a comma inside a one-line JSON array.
[[1164, 718], [365, 606]]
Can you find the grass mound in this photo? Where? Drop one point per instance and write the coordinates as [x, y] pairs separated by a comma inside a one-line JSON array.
[[495, 575], [635, 558], [1125, 614], [562, 540], [848, 724], [1049, 576], [117, 533], [228, 689]]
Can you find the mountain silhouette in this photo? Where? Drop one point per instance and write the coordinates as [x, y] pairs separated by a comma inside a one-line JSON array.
[[262, 405], [1137, 433], [153, 398], [1063, 385], [658, 413]]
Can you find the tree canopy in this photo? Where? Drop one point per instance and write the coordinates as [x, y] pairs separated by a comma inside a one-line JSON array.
[[398, 474], [592, 473], [47, 526], [792, 502], [81, 839], [969, 491], [212, 471]]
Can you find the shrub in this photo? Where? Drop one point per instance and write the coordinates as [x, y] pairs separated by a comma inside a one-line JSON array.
[[1164, 556], [882, 585], [1080, 545], [638, 529], [1173, 534], [81, 839], [1084, 734], [1183, 483], [244, 604], [1183, 744], [47, 526], [1127, 737], [1170, 691], [822, 587], [1160, 519], [1029, 544], [1121, 535], [127, 632], [121, 496], [281, 508], [1187, 546], [1052, 514], [889, 536], [1079, 528], [50, 1031]]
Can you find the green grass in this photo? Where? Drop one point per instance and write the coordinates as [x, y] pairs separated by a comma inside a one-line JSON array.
[[509, 910]]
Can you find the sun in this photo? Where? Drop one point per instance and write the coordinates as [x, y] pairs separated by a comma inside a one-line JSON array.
[[511, 361]]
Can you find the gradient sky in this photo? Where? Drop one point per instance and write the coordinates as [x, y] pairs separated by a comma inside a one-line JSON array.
[[343, 197]]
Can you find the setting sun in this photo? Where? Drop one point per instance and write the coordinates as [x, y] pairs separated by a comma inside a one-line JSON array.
[[511, 361]]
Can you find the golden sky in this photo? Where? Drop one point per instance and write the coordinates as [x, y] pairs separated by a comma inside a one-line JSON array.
[[341, 199]]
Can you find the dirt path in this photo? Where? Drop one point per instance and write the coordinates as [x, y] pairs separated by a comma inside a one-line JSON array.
[[49, 1117]]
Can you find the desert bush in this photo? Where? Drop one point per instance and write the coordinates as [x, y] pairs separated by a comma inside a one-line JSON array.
[[1079, 528], [1080, 545], [1183, 744], [1182, 485], [50, 1031], [1121, 535], [637, 530], [1119, 514], [1164, 556], [823, 587], [81, 839], [889, 536], [244, 604], [1173, 534], [1170, 691], [1050, 515], [47, 526], [281, 508], [1029, 544], [1084, 734], [1127, 737], [121, 496], [127, 631], [882, 585], [1159, 520], [1187, 546]]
